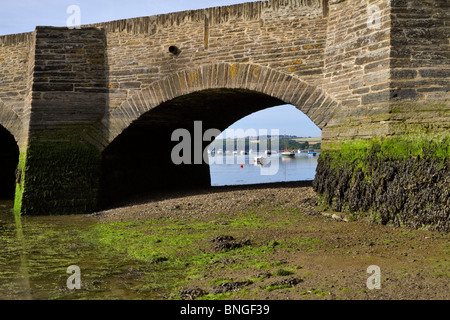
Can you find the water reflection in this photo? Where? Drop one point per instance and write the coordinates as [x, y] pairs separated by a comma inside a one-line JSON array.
[[35, 253], [23, 271]]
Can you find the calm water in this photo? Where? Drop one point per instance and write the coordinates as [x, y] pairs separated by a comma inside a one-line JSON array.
[[283, 169], [35, 252]]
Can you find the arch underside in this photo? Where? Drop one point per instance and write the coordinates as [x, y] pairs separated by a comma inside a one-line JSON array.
[[311, 100], [9, 158], [139, 158]]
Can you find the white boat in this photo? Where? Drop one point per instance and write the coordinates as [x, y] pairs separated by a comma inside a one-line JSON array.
[[260, 160], [287, 153]]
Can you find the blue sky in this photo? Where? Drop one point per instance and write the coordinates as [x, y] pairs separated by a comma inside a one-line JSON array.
[[24, 15]]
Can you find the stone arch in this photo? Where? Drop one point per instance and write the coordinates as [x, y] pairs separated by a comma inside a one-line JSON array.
[[137, 157], [10, 120], [311, 100]]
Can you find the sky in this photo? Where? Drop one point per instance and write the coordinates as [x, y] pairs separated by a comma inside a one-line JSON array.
[[24, 15]]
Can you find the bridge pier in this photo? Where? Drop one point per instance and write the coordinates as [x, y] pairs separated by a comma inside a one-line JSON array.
[[61, 174], [401, 179], [60, 163]]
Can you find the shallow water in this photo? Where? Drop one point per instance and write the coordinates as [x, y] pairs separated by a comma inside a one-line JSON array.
[[37, 251]]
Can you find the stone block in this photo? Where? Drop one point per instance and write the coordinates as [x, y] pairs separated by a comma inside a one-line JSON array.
[[435, 73]]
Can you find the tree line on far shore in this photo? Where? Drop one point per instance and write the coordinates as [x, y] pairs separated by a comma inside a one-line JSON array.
[[252, 143]]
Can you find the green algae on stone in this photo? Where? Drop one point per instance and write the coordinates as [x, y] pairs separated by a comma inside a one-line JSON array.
[[400, 179], [60, 174]]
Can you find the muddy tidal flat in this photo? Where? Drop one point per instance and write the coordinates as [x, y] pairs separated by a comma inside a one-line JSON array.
[[273, 242], [265, 242]]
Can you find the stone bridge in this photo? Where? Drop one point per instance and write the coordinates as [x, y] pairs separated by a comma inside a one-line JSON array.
[[87, 114]]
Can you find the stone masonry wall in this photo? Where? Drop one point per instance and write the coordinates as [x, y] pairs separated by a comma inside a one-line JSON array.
[[356, 67], [15, 51], [256, 33], [420, 66], [402, 176], [346, 52], [367, 69]]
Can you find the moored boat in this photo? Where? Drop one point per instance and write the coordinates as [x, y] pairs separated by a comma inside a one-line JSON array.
[[288, 153]]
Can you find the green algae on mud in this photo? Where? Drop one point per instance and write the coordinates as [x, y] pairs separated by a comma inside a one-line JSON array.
[[282, 249], [267, 263], [183, 245], [190, 249]]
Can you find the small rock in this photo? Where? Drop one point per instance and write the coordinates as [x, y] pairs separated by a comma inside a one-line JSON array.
[[227, 243], [264, 275], [192, 294], [222, 238], [230, 287], [292, 282]]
